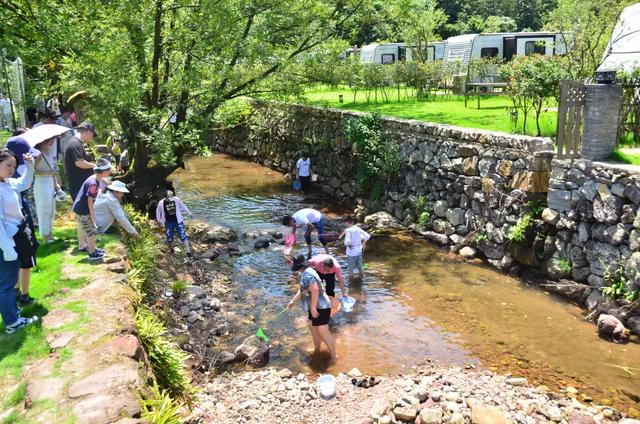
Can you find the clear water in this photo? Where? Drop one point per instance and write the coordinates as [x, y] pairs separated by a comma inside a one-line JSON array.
[[412, 305]]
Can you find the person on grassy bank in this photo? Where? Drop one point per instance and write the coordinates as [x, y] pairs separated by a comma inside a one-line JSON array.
[[83, 206], [45, 186], [328, 269], [76, 161], [14, 237], [355, 238], [108, 208], [316, 303], [312, 220], [169, 214]]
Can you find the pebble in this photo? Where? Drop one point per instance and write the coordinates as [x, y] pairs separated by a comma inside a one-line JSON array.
[[517, 381], [354, 372]]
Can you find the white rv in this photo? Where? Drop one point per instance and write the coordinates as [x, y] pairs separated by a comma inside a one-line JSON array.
[[504, 45], [623, 51], [384, 53]]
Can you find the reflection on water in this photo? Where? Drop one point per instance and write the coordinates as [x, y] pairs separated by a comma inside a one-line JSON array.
[[412, 304]]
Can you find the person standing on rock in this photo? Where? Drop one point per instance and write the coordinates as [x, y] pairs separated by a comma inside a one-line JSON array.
[[311, 219], [303, 172], [328, 269], [355, 238], [169, 214], [316, 302]]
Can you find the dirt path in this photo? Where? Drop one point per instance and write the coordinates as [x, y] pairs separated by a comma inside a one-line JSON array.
[[95, 365]]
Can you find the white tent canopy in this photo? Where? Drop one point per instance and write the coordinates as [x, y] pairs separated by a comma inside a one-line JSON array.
[[623, 51]]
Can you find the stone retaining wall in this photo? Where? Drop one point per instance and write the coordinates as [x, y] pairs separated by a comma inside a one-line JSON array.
[[475, 186]]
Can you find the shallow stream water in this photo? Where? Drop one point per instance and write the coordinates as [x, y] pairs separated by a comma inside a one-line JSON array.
[[412, 305]]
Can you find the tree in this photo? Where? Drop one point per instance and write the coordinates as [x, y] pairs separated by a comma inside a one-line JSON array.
[[531, 81], [586, 27], [143, 59]]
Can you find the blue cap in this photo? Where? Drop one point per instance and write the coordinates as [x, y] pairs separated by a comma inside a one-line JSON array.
[[19, 147]]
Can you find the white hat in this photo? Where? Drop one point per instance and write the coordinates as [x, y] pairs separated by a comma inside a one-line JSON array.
[[118, 186], [102, 165], [112, 133]]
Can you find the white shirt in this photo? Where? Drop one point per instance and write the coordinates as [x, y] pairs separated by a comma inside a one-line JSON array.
[[307, 216], [354, 236], [10, 211], [304, 167], [107, 208]]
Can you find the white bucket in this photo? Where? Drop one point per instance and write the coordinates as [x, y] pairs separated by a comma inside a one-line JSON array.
[[327, 385], [348, 303], [314, 177]]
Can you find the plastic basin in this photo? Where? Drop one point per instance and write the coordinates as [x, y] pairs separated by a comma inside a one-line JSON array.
[[327, 385], [348, 303]]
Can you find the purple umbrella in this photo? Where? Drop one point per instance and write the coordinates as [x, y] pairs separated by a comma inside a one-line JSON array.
[[43, 132]]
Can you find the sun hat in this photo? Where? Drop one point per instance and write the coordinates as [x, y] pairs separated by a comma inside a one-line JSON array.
[[102, 165], [118, 186], [19, 146]]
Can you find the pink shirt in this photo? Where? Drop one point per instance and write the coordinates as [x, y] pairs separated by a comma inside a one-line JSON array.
[[317, 262]]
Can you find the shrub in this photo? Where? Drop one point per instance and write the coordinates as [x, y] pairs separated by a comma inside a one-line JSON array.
[[378, 158], [564, 265], [160, 408], [179, 287], [518, 232], [618, 284], [232, 112]]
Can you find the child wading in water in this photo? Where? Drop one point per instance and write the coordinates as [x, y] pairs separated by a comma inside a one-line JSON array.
[[15, 240], [355, 238], [169, 213]]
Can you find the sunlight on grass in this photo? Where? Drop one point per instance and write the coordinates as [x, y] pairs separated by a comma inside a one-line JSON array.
[[623, 157], [494, 112]]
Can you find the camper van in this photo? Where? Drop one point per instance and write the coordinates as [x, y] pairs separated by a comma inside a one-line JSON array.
[[394, 52], [505, 45]]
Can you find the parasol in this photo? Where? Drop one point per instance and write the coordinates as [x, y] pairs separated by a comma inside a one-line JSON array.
[[77, 96], [43, 132]]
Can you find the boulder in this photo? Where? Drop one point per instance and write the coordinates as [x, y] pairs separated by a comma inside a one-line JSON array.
[[210, 254], [611, 327], [219, 234], [437, 237], [634, 324], [405, 413], [382, 220], [607, 209], [467, 252], [485, 414], [253, 350]]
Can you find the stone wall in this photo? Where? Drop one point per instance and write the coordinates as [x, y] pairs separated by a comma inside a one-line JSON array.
[[474, 186]]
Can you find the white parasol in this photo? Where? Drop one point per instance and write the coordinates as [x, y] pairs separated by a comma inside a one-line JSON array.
[[43, 132]]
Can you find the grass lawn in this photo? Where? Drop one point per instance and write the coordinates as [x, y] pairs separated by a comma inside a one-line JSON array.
[[445, 109], [625, 157], [47, 286]]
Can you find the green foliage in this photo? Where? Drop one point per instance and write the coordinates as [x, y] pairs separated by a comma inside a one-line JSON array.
[[16, 397], [517, 232], [179, 287], [378, 157], [166, 359], [480, 237], [625, 157], [143, 252], [618, 284], [564, 265], [421, 210], [532, 80], [232, 113], [160, 408]]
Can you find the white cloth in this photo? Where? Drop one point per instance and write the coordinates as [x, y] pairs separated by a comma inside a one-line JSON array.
[[354, 236], [107, 209], [10, 211], [43, 192], [307, 216], [304, 167]]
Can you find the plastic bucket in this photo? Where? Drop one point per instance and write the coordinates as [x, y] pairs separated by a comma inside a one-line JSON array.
[[289, 240], [297, 185], [348, 303], [314, 177], [327, 385]]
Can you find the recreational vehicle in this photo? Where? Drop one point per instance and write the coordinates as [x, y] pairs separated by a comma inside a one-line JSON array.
[[384, 53], [623, 51], [503, 46]]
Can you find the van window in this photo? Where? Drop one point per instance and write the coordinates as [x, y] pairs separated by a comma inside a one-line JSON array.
[[388, 58], [489, 52], [534, 47]]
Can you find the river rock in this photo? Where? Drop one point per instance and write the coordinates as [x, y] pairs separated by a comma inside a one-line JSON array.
[[634, 324], [218, 233], [226, 357], [517, 381], [611, 327], [405, 413], [382, 220], [485, 414], [550, 216], [467, 252], [354, 372], [431, 416], [578, 418], [210, 254], [437, 237], [253, 350], [262, 243]]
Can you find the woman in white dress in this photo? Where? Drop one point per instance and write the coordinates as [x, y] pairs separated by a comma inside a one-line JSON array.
[[46, 184]]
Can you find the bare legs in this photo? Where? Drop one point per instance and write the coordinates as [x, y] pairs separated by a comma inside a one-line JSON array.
[[320, 334]]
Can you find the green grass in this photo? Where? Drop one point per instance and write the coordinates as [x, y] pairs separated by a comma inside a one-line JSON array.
[[445, 109], [629, 158], [16, 397], [30, 344]]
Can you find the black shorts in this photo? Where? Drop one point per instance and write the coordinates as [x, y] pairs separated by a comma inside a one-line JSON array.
[[26, 246], [329, 282], [323, 317]]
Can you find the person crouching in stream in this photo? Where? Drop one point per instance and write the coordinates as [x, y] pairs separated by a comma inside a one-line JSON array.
[[315, 301], [328, 269]]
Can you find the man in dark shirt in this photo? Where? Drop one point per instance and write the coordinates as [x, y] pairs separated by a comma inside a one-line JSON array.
[[76, 161]]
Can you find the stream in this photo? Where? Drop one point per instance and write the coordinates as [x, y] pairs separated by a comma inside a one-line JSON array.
[[412, 305]]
